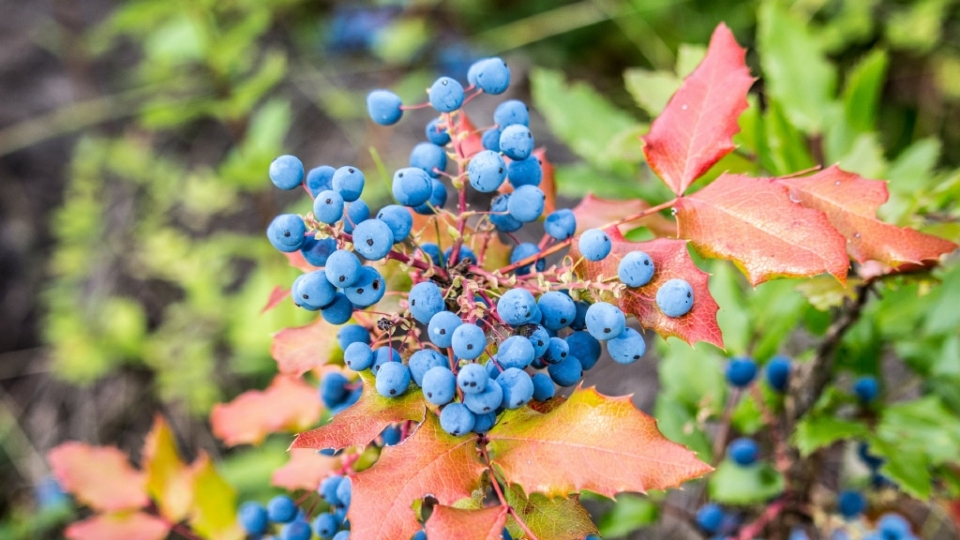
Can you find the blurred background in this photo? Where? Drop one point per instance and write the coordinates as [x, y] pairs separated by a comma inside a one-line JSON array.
[[135, 138]]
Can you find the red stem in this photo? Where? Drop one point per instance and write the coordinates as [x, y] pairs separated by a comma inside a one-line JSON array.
[[753, 529]]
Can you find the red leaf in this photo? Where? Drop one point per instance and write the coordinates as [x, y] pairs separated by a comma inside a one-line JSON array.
[[363, 421], [297, 261], [465, 524], [276, 296], [289, 404], [754, 223], [135, 526], [300, 349], [850, 202], [99, 476], [470, 145], [305, 470], [593, 442], [671, 260], [593, 213], [430, 462], [696, 128]]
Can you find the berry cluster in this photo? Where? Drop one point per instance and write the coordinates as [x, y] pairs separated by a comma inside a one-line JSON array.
[[256, 519]]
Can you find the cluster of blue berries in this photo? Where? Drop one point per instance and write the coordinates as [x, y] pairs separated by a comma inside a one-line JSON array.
[[258, 520]]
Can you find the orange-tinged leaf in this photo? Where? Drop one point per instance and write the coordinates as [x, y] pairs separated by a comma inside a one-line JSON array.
[[671, 260], [288, 404], [214, 511], [99, 476], [850, 202], [363, 421], [277, 295], [124, 526], [297, 261], [305, 470], [594, 212], [602, 444], [464, 524], [696, 128], [298, 350], [169, 481], [754, 223], [430, 462]]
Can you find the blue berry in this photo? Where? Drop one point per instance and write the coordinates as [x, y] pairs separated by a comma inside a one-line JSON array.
[[412, 186], [595, 245], [441, 327], [491, 140], [342, 535], [391, 435], [343, 268], [558, 310], [357, 211], [543, 387], [517, 387], [286, 232], [557, 351], [526, 203], [567, 373], [325, 525], [468, 341], [348, 182], [393, 379], [339, 311], [296, 299], [328, 489], [605, 321], [635, 269], [313, 290], [384, 107], [316, 251], [286, 172], [515, 352], [430, 158], [368, 289], [437, 135], [778, 373], [517, 307], [465, 253], [580, 321], [281, 509], [560, 224], [426, 300], [492, 75], [511, 111], [328, 207], [586, 348], [489, 400], [851, 503], [741, 372], [474, 70], [446, 95], [627, 348], [866, 389], [710, 517], [675, 298], [522, 251], [398, 219], [870, 460], [893, 527], [484, 422], [516, 141], [320, 179], [500, 217], [433, 252], [439, 385], [253, 518], [486, 171], [345, 492], [422, 361], [297, 530], [743, 451], [472, 378], [333, 389], [438, 198], [372, 239], [358, 356], [456, 419], [525, 172]]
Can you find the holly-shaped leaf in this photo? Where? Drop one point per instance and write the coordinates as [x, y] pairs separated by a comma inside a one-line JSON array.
[[100, 477], [214, 512], [697, 127], [305, 470], [557, 518], [128, 526], [466, 524], [363, 421], [851, 202], [755, 223], [593, 442], [298, 350], [671, 260], [594, 212], [169, 480], [430, 462], [289, 404]]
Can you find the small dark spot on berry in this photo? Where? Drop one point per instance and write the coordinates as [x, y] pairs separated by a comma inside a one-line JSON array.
[[470, 347], [400, 175], [688, 295], [501, 170], [443, 82], [563, 355], [351, 170], [563, 320], [369, 241], [539, 343], [429, 394], [606, 330], [413, 302], [443, 331], [376, 285], [329, 201], [286, 233], [305, 296], [360, 291], [646, 263], [341, 279], [529, 135], [636, 357]]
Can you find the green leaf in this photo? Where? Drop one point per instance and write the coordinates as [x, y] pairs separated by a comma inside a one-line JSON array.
[[918, 27], [861, 95], [911, 472], [578, 179], [693, 376], [780, 306], [747, 418], [923, 427], [735, 484], [865, 157], [679, 424], [786, 148], [651, 89], [815, 432], [796, 71], [942, 315], [688, 58], [557, 517], [400, 41], [726, 286], [630, 513]]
